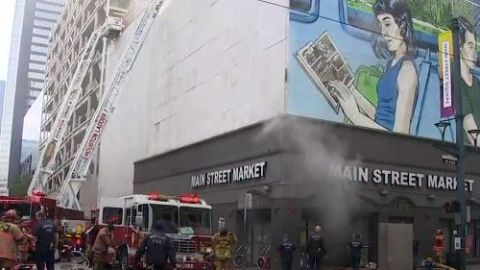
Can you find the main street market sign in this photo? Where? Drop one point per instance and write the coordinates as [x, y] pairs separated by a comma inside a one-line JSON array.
[[234, 175], [397, 178]]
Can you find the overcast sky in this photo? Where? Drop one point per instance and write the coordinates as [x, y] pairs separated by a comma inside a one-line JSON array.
[[6, 19]]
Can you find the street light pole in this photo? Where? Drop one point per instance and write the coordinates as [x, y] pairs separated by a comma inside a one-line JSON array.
[[461, 193]]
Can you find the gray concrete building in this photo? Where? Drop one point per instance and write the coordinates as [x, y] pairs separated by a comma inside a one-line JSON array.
[[296, 106], [302, 172], [33, 22]]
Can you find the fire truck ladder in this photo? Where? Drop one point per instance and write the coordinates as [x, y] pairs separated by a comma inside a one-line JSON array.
[[79, 169], [46, 163]]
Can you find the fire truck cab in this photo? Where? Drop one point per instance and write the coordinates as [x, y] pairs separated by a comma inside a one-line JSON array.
[[188, 220]]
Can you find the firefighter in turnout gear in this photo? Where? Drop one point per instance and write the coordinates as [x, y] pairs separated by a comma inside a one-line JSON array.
[[223, 242], [10, 237], [159, 249]]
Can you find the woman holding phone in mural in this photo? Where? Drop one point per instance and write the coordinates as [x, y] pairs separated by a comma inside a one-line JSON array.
[[397, 88]]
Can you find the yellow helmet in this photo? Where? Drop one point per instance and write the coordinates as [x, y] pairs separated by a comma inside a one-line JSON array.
[[79, 229]]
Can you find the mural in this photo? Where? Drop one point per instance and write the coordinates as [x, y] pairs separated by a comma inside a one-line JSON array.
[[374, 63]]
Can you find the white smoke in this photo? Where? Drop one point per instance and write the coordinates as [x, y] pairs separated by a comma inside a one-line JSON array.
[[315, 149]]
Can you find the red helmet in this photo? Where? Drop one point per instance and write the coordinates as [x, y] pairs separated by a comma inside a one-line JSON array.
[[11, 214]]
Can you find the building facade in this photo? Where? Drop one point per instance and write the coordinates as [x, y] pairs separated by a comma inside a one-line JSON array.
[[66, 45], [301, 172], [45, 16], [78, 21], [298, 107], [33, 22]]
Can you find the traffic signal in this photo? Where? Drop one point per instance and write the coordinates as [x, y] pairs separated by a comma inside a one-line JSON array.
[[452, 207]]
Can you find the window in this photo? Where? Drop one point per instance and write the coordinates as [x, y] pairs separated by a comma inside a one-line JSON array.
[[51, 7], [145, 216], [23, 209], [42, 23], [38, 58], [34, 94], [41, 32], [40, 40], [301, 5], [196, 218], [128, 216], [46, 15], [112, 214], [35, 75], [123, 4], [131, 215], [164, 213], [39, 49], [36, 66], [62, 2], [35, 84]]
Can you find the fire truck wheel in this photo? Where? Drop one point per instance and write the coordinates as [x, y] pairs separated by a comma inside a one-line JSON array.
[[123, 260], [238, 260]]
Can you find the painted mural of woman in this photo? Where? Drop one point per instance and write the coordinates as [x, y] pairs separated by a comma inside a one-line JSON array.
[[397, 88]]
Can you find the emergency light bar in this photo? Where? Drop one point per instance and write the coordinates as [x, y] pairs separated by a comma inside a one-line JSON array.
[[38, 193], [190, 198]]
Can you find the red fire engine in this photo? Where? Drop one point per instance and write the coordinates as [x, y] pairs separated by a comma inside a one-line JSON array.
[[189, 216], [27, 207]]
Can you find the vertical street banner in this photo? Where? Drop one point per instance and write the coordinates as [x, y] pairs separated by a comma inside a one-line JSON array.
[[445, 61]]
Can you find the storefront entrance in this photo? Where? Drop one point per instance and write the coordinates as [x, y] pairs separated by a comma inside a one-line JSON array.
[[395, 246], [258, 238]]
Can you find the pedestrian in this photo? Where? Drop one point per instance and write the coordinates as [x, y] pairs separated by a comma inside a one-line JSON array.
[[100, 247], [10, 238], [47, 242], [222, 243], [286, 250], [356, 252], [159, 249], [316, 251]]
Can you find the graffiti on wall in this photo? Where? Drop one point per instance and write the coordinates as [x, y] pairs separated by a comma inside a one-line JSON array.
[[374, 63]]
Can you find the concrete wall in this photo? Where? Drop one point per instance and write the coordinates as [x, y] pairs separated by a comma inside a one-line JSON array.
[[207, 67]]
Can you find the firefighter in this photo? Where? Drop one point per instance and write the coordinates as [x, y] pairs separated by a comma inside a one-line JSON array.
[[429, 264], [28, 243], [91, 233], [439, 246], [316, 249], [159, 249], [286, 250], [101, 245], [10, 237], [222, 243], [356, 252], [47, 242]]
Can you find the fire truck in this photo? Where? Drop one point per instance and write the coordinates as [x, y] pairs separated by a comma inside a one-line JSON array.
[[188, 219], [26, 208]]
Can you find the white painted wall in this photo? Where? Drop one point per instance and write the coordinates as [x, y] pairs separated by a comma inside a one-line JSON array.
[[208, 67]]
